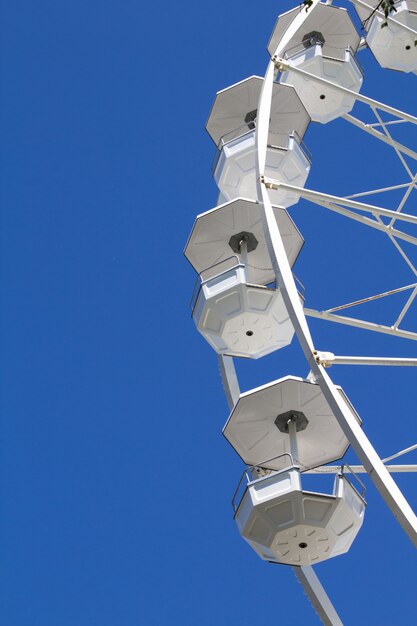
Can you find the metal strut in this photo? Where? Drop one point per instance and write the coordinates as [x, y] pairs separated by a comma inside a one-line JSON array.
[[284, 280], [317, 596], [359, 441]]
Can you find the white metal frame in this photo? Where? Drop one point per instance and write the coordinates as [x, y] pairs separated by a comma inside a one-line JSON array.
[[372, 464], [305, 575], [361, 444], [370, 215]]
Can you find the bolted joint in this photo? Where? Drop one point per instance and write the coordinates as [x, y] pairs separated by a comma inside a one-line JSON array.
[[326, 359], [278, 62], [269, 183]]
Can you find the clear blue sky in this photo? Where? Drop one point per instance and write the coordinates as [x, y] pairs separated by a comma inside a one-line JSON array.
[[115, 480]]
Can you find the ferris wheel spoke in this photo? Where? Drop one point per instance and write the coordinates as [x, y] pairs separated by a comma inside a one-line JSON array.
[[377, 296], [405, 197], [391, 142], [319, 197], [329, 202], [327, 359], [377, 223], [401, 453], [372, 192], [393, 327], [359, 469], [387, 123], [358, 323], [371, 130], [403, 254], [399, 248], [283, 64], [405, 308]]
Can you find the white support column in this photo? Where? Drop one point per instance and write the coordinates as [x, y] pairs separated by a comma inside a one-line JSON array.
[[360, 443], [292, 433], [317, 596], [229, 379]]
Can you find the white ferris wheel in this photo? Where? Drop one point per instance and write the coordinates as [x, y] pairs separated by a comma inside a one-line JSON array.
[[248, 303]]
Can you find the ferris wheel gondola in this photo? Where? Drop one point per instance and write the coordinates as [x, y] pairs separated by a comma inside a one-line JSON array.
[[295, 425]]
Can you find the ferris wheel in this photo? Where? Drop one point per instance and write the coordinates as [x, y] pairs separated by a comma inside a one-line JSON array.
[[248, 303]]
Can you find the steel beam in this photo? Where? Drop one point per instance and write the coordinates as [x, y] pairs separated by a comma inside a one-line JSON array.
[[284, 280]]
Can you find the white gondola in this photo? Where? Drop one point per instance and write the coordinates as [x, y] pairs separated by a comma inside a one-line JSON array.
[[285, 524], [241, 319], [324, 46], [392, 45], [288, 426], [234, 307], [231, 125]]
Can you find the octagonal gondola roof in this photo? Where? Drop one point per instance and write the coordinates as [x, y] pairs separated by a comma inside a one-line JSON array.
[[334, 23], [209, 241], [252, 430], [235, 107]]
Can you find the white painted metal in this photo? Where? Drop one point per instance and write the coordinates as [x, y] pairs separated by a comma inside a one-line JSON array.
[[334, 23], [252, 431], [292, 435], [405, 308], [323, 102], [401, 453], [359, 469], [373, 464], [283, 64], [312, 195], [392, 45], [235, 172], [357, 323], [209, 242], [378, 296], [368, 128], [317, 596], [327, 359], [324, 44], [334, 204], [234, 112], [241, 319], [372, 192], [285, 524], [306, 575], [231, 125], [229, 379], [272, 233]]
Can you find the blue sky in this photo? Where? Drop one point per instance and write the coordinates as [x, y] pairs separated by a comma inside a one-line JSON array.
[[115, 480]]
